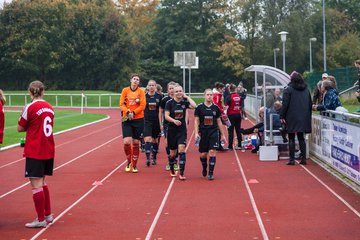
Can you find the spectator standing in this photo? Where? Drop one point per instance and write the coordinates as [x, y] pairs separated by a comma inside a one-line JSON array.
[[2, 115], [37, 120], [357, 83], [242, 93], [234, 113], [132, 105], [296, 113]]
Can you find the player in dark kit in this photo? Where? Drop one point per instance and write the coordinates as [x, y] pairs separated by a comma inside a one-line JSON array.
[[152, 125], [175, 114], [163, 123], [207, 127]]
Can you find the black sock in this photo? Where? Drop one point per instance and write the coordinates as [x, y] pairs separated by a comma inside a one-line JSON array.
[[212, 162], [155, 149], [171, 163], [204, 165], [148, 150], [182, 162], [167, 150]]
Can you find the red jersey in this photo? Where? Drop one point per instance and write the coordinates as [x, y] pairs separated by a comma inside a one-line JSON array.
[[2, 122], [38, 120], [234, 103], [217, 99]]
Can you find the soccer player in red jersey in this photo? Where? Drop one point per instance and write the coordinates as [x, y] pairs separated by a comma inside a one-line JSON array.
[[2, 115], [37, 120]]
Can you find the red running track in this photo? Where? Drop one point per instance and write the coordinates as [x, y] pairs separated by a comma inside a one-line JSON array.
[[287, 202]]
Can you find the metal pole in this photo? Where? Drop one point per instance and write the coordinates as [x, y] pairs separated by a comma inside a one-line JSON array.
[[274, 58], [184, 73], [310, 57], [324, 36], [189, 81], [284, 68]]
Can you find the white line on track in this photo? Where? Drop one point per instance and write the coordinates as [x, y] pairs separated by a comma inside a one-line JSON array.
[[329, 189], [64, 131], [72, 160], [77, 201], [332, 191], [64, 143], [252, 199], [163, 202]]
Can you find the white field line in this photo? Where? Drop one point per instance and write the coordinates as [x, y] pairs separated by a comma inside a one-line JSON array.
[[62, 144], [333, 192], [77, 201], [252, 199], [64, 131], [330, 190], [72, 160], [163, 202]]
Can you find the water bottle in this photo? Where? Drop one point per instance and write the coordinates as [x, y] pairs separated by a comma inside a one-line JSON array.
[[22, 142], [197, 141]]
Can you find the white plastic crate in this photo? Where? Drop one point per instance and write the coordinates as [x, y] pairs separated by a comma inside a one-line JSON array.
[[268, 153]]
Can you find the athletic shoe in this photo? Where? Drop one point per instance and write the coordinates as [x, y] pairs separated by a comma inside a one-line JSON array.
[[49, 218], [167, 167], [128, 167], [148, 163], [211, 177], [173, 173], [36, 224], [182, 177], [176, 167], [153, 162], [134, 169]]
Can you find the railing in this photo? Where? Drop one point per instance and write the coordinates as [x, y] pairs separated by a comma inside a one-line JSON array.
[[74, 100], [335, 140]]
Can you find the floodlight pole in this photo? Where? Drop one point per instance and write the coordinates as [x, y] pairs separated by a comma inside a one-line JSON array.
[[189, 81], [184, 72]]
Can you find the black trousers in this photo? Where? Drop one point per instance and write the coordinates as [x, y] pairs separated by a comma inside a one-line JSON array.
[[235, 120]]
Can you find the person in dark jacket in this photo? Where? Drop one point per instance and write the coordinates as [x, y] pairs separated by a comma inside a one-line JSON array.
[[296, 114], [330, 97]]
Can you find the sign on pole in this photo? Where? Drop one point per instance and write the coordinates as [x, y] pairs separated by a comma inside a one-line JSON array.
[[186, 59]]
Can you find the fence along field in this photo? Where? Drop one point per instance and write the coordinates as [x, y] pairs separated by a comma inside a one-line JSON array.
[[73, 99]]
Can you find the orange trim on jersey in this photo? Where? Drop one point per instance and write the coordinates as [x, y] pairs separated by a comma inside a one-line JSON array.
[[134, 101]]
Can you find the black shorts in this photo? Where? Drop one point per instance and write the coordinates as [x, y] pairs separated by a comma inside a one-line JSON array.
[[133, 128], [209, 140], [166, 129], [35, 168], [152, 129], [176, 136]]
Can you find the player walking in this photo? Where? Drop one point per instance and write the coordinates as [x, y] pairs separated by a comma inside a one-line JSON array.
[[132, 105], [207, 127]]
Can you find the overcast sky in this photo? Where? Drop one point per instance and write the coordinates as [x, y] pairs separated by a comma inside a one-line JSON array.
[[2, 2]]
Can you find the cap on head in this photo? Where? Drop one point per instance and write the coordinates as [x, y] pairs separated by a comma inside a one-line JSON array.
[[324, 75]]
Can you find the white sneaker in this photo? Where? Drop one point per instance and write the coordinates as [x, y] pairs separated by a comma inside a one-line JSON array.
[[36, 224], [49, 218]]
